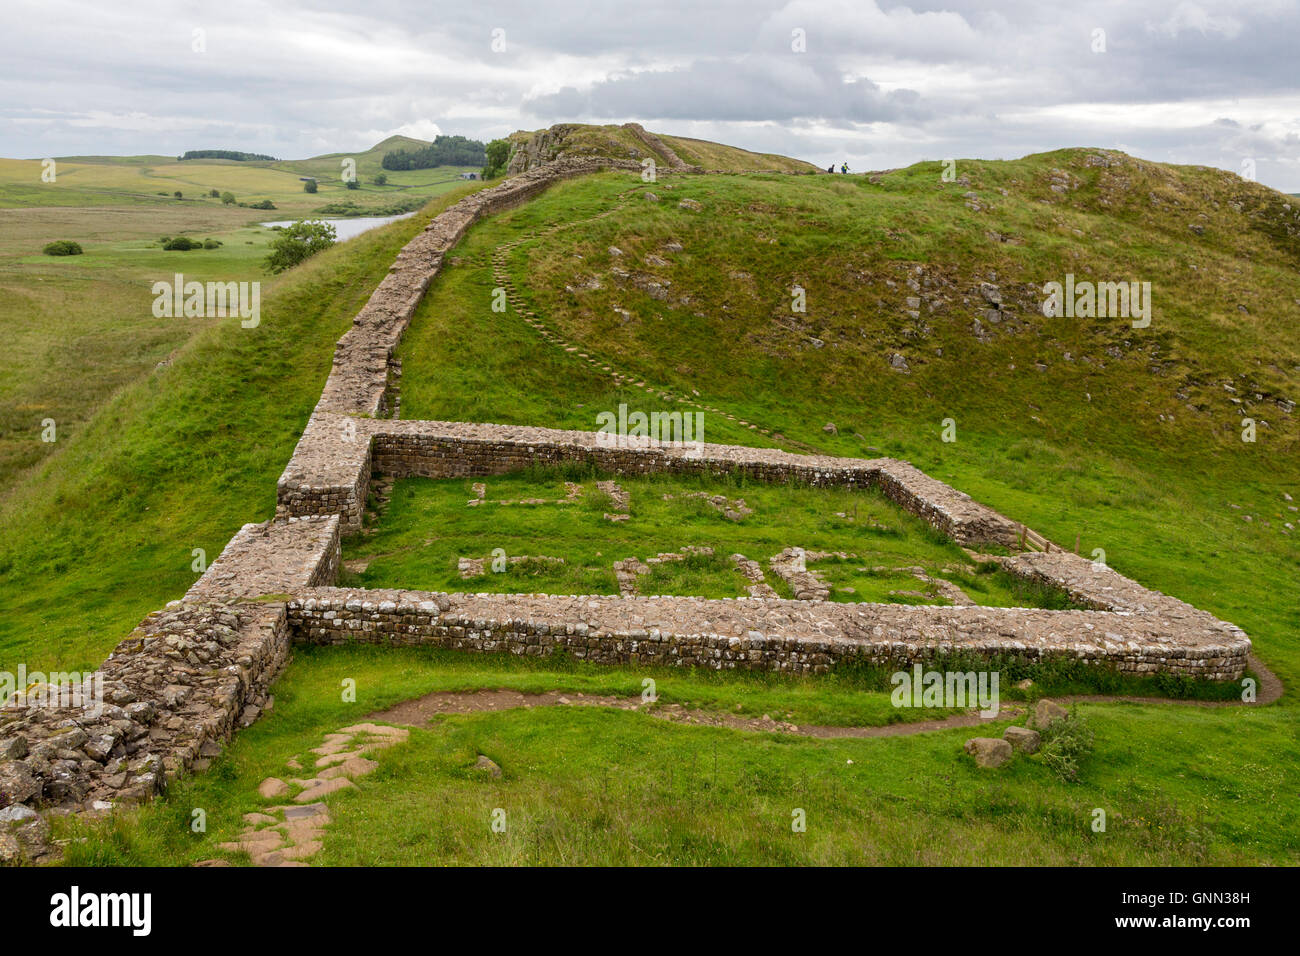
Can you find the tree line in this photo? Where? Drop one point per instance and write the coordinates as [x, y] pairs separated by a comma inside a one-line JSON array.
[[226, 154], [443, 151]]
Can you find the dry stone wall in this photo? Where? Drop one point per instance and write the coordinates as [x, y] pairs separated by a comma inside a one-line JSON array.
[[335, 457], [762, 634]]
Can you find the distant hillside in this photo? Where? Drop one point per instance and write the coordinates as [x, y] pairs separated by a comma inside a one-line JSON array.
[[631, 141]]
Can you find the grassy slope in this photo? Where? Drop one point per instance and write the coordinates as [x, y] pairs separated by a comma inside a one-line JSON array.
[[577, 139], [102, 531], [594, 786], [700, 152]]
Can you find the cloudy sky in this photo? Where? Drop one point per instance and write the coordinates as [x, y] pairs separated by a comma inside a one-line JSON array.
[[879, 85]]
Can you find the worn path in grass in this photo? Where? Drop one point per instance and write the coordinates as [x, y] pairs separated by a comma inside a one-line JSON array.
[[420, 710]]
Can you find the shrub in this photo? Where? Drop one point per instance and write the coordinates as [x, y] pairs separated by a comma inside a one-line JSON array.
[[264, 204], [1066, 744], [309, 186], [63, 247], [178, 194], [211, 243], [381, 179], [498, 154], [353, 184], [300, 241], [228, 198], [181, 244], [215, 193]]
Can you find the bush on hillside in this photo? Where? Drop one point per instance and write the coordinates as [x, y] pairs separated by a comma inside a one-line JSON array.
[[381, 179], [63, 247], [1066, 744], [228, 198], [264, 204], [181, 244], [498, 154], [299, 242], [309, 186]]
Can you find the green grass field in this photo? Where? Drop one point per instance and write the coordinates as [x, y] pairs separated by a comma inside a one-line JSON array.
[[79, 328], [428, 525]]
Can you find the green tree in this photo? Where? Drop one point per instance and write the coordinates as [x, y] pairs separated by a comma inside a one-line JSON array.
[[309, 186], [177, 194], [228, 198], [63, 247], [299, 242], [381, 179], [353, 184], [215, 194], [498, 154]]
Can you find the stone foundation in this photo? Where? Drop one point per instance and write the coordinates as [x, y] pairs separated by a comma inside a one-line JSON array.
[[768, 635]]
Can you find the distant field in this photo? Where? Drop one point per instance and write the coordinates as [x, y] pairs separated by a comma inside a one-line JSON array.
[[148, 181], [150, 462], [78, 328]]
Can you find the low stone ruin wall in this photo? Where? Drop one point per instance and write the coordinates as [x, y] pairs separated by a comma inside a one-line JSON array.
[[177, 688], [173, 692], [751, 634], [335, 457]]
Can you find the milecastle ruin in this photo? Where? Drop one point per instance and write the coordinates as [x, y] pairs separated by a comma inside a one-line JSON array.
[[193, 673]]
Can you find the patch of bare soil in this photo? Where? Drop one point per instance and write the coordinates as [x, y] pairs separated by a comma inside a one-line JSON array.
[[421, 710]]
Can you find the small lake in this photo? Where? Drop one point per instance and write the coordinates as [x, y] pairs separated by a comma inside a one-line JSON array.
[[348, 228]]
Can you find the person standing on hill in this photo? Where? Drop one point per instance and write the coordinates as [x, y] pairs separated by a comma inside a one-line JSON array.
[[845, 169]]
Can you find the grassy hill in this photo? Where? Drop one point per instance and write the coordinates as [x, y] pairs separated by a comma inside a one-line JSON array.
[[621, 142]]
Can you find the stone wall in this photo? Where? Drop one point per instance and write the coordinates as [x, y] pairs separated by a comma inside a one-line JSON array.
[[332, 464], [173, 692], [761, 634]]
